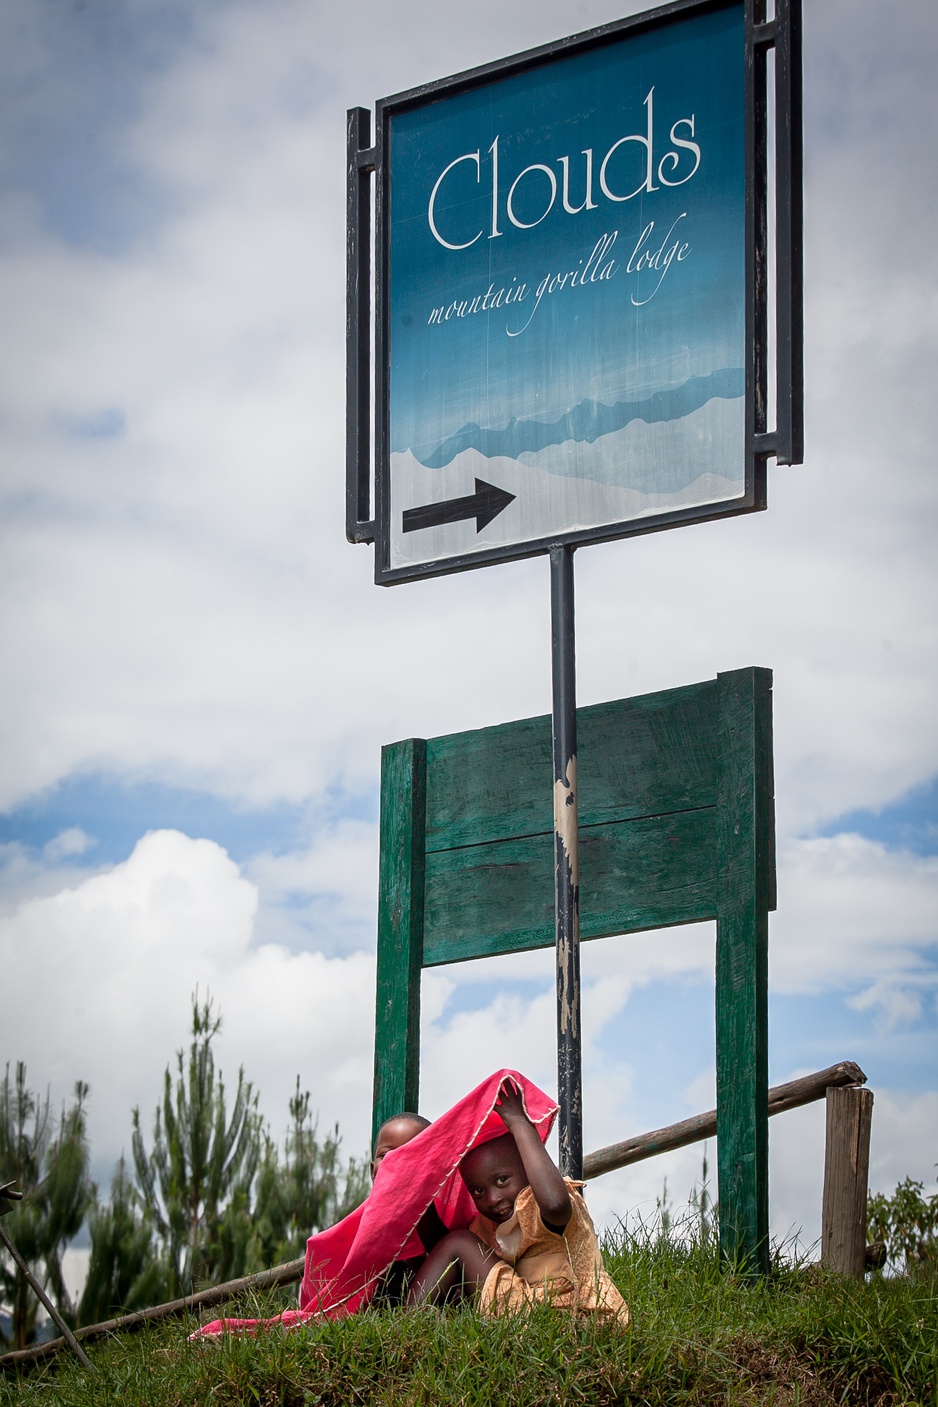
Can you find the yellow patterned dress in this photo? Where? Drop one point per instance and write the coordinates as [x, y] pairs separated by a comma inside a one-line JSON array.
[[537, 1266]]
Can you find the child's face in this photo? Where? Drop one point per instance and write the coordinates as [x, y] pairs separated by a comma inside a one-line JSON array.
[[494, 1176], [394, 1134]]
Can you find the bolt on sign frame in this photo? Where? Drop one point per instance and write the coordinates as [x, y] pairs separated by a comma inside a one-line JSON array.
[[615, 385], [677, 825]]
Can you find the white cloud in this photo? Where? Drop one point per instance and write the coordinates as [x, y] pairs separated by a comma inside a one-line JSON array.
[[897, 1146], [897, 1006], [25, 875], [97, 980], [511, 1032], [182, 604], [324, 895], [117, 954], [851, 913], [72, 841]]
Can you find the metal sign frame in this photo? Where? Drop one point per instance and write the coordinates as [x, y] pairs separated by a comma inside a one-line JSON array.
[[368, 322]]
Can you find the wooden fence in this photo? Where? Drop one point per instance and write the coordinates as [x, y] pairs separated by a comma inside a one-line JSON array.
[[843, 1239]]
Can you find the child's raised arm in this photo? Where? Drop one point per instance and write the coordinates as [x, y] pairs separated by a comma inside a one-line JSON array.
[[549, 1188]]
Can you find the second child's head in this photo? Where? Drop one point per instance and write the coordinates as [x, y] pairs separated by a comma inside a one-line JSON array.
[[394, 1133], [494, 1176]]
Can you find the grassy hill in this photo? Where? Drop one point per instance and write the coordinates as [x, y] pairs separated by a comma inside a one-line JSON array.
[[700, 1335]]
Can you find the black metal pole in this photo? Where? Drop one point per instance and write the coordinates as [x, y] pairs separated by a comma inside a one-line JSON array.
[[566, 861]]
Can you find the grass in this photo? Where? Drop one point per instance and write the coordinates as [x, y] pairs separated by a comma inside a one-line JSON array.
[[700, 1335]]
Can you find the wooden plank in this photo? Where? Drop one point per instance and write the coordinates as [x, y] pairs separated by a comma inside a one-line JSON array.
[[791, 1095], [807, 1088], [846, 1174], [637, 757], [490, 784], [482, 900], [742, 969], [400, 929], [649, 755]]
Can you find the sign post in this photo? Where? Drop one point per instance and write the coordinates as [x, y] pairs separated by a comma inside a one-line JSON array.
[[566, 861], [558, 329]]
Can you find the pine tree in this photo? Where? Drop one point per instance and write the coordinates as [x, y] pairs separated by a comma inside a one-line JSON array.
[[53, 1175], [313, 1189], [196, 1185], [309, 1190], [125, 1270], [213, 1201]]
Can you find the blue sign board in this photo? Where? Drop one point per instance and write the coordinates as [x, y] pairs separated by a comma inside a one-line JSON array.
[[565, 310]]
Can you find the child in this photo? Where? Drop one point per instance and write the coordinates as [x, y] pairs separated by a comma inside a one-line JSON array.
[[394, 1283], [394, 1133], [532, 1240], [346, 1262]]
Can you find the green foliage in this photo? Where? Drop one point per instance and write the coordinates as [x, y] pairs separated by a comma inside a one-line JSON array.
[[196, 1184], [214, 1191], [309, 1190], [907, 1222], [211, 1202], [705, 1211], [52, 1172], [125, 1270], [664, 1209], [701, 1335]]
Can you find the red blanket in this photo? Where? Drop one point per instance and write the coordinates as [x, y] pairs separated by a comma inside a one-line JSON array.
[[345, 1263]]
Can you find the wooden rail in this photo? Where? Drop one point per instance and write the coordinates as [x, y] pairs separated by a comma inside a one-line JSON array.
[[286, 1274], [617, 1155], [701, 1126]]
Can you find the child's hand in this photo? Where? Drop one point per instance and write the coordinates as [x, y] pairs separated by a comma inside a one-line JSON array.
[[510, 1106], [549, 1188]]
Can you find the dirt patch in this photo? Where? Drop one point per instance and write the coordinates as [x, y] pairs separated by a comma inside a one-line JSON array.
[[784, 1378]]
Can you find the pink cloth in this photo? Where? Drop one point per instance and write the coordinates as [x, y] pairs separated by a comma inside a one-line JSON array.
[[345, 1263]]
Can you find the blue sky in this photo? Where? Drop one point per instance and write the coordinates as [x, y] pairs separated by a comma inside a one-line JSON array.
[[119, 811], [908, 823], [199, 673]]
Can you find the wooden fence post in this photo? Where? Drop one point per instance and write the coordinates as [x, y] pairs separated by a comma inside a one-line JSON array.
[[846, 1174]]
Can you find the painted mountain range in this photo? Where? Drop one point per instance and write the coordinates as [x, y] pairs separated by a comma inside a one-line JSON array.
[[586, 422]]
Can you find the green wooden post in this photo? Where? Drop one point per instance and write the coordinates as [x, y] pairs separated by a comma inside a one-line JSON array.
[[400, 928], [745, 893]]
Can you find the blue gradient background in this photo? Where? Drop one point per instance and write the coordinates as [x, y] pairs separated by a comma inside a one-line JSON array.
[[588, 342]]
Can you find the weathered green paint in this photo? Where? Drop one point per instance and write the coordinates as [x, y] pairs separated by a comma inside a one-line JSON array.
[[400, 928], [637, 757], [676, 826], [497, 898], [745, 846]]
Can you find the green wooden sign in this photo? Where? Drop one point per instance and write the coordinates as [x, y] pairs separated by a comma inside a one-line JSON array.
[[676, 826]]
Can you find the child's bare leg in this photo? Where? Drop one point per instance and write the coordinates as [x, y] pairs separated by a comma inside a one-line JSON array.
[[459, 1263]]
